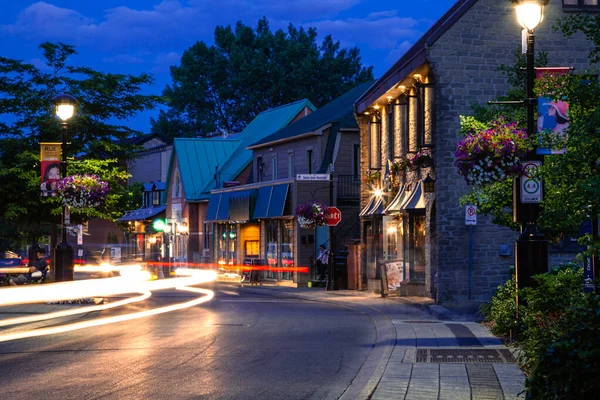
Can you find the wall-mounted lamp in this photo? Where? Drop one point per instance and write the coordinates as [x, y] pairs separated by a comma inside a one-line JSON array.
[[402, 88], [418, 77], [378, 192], [429, 184]]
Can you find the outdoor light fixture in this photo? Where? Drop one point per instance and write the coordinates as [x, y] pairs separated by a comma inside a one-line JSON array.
[[429, 184], [64, 259], [159, 225], [402, 88], [64, 105], [530, 13], [232, 235], [418, 77], [378, 193], [167, 228]]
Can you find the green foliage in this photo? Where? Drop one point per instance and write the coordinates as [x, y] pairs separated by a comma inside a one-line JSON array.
[[247, 71], [502, 309], [587, 24], [495, 200], [469, 124], [25, 106]]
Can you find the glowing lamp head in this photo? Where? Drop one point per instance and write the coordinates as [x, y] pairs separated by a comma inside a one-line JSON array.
[[530, 13], [64, 105], [378, 192]]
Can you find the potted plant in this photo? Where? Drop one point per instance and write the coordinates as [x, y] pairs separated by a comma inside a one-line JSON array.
[[422, 158], [372, 177], [311, 214], [492, 154], [82, 191], [399, 165]]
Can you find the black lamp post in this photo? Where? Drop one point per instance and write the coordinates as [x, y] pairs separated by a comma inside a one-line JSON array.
[[531, 248], [331, 283], [63, 253]]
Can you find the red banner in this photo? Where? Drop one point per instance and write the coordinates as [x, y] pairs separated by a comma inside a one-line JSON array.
[[50, 168]]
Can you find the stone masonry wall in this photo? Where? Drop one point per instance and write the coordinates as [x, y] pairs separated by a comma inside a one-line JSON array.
[[465, 62]]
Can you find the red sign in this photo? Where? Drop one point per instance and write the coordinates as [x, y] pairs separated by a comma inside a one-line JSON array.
[[334, 216]]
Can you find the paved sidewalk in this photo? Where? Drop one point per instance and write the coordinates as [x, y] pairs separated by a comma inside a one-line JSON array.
[[440, 355]]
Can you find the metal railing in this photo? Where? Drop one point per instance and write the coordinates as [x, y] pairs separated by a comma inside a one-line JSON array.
[[348, 186]]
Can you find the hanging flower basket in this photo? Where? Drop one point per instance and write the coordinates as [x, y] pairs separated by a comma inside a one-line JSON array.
[[492, 154], [420, 159], [82, 191], [398, 166], [311, 214], [372, 177]]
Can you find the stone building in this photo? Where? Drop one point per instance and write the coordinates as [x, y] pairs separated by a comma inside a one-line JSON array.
[[415, 107]]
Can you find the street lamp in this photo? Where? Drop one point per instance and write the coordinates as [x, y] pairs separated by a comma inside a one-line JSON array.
[[63, 253], [532, 249]]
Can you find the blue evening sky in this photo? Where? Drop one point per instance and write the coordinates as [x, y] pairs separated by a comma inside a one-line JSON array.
[[135, 36]]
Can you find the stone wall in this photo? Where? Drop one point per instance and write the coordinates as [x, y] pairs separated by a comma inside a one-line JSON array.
[[465, 63]]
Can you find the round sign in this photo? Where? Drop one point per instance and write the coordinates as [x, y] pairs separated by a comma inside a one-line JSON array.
[[334, 216]]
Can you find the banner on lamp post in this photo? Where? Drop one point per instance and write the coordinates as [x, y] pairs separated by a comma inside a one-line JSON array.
[[553, 116], [50, 168]]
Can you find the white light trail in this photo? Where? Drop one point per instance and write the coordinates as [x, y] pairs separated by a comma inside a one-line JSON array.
[[209, 294]]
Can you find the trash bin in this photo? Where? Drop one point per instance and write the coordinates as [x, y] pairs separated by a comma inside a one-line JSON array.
[[353, 262]]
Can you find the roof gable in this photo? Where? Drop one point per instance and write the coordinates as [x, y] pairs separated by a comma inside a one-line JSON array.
[[336, 110]]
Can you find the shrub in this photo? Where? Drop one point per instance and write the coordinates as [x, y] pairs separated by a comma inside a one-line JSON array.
[[502, 309]]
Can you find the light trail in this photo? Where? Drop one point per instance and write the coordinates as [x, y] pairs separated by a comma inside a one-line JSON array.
[[131, 282], [80, 310], [209, 294]]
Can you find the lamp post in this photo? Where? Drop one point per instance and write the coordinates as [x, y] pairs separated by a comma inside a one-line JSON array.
[[331, 285], [531, 249], [63, 253]]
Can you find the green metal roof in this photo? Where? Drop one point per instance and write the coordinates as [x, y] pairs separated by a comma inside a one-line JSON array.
[[338, 110], [198, 157], [264, 124]]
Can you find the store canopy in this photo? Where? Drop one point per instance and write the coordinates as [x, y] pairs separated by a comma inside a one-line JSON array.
[[223, 211], [262, 202], [141, 214], [394, 206], [213, 207], [241, 205], [278, 198], [414, 200], [373, 207]]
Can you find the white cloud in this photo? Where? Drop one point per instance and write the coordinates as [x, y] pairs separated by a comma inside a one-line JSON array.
[[165, 60]]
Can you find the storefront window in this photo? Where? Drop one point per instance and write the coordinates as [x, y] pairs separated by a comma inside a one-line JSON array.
[[417, 245], [222, 244], [272, 240], [287, 248], [390, 249]]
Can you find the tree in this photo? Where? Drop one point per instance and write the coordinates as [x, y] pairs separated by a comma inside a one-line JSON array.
[[246, 71], [95, 145]]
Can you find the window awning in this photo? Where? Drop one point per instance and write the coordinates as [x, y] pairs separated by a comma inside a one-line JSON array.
[[394, 206], [262, 202], [241, 205], [213, 207], [141, 214], [373, 207], [414, 200], [223, 211], [278, 198]]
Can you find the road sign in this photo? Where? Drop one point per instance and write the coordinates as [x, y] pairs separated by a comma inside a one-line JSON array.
[[334, 216], [531, 186], [470, 215], [312, 177]]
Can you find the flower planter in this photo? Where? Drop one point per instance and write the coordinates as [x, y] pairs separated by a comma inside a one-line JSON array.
[[82, 191], [311, 214]]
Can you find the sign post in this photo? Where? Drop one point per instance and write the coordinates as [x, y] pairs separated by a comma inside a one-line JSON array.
[[470, 221], [531, 187]]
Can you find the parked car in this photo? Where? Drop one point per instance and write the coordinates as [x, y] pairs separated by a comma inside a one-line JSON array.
[[10, 259]]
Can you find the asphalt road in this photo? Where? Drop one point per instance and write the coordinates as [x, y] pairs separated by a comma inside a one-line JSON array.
[[240, 345]]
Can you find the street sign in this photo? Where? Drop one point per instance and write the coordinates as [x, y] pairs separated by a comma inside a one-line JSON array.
[[312, 177], [531, 187], [588, 275], [334, 216], [470, 215]]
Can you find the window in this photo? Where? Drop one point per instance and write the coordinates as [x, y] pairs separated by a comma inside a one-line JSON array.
[[375, 144], [291, 168], [155, 198], [356, 162], [176, 186], [581, 5], [259, 169], [309, 158], [401, 117], [274, 168]]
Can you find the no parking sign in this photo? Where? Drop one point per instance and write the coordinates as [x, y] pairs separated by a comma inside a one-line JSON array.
[[470, 215]]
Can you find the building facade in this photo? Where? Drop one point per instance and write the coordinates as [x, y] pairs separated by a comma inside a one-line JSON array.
[[414, 109]]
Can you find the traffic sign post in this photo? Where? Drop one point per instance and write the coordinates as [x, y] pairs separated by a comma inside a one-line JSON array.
[[334, 216], [470, 221], [531, 186], [470, 215]]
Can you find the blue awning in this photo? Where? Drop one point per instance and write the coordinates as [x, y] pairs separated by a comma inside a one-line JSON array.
[[241, 204], [213, 207], [373, 207], [394, 206], [141, 214], [262, 202], [415, 200], [278, 198], [223, 211]]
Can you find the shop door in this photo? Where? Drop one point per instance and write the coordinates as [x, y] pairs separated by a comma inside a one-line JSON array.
[[416, 248]]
